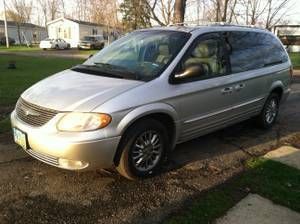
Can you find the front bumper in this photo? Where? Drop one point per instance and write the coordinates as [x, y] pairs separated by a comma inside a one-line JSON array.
[[82, 46], [55, 148]]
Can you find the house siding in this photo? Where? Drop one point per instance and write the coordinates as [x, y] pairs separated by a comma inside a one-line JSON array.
[[32, 35], [71, 31]]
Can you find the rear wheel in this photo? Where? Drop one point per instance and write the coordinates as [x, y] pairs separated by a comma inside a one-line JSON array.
[[269, 114], [143, 149]]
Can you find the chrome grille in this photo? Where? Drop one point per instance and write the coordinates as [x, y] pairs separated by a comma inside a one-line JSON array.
[[32, 114]]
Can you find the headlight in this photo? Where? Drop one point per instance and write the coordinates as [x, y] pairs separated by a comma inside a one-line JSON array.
[[83, 121]]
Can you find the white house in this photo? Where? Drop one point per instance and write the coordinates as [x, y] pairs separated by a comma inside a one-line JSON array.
[[72, 30], [28, 32], [289, 35]]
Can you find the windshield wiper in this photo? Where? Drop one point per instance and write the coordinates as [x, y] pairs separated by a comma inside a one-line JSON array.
[[118, 69], [94, 70]]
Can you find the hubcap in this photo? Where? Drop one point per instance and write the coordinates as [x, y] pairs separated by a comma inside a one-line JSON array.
[[271, 111], [147, 151]]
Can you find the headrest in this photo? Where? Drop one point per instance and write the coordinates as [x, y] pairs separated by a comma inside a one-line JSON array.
[[164, 49], [205, 50]]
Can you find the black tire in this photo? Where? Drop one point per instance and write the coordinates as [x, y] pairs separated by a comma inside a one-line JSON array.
[[56, 47], [262, 119], [126, 166]]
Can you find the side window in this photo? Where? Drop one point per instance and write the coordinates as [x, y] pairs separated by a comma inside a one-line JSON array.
[[274, 52], [253, 50], [209, 54]]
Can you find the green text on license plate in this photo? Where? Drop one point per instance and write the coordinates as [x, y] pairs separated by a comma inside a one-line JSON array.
[[20, 138]]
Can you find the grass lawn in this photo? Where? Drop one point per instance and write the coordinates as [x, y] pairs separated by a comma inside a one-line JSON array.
[[35, 49], [17, 48], [29, 70], [295, 58], [270, 179]]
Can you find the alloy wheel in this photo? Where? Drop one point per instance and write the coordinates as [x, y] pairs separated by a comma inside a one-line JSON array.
[[147, 150]]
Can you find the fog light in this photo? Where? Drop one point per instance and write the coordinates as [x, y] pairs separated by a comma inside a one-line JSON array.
[[72, 164]]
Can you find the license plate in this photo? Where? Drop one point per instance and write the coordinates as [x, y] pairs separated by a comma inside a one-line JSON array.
[[20, 138]]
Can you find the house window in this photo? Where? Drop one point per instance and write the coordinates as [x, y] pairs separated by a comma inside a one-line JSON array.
[[34, 36], [95, 32], [67, 33]]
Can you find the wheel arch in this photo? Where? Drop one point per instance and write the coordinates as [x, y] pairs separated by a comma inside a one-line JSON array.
[[161, 112], [277, 87]]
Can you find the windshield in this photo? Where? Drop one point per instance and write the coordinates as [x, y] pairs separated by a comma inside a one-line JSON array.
[[87, 38], [143, 54]]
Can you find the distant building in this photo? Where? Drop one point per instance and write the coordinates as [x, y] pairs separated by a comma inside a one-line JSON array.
[[73, 31], [28, 32], [289, 35]]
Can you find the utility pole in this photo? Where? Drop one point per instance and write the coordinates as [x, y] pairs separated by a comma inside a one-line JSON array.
[[198, 12], [5, 25]]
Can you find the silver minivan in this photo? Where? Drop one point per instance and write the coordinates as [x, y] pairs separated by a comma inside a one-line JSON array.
[[131, 103]]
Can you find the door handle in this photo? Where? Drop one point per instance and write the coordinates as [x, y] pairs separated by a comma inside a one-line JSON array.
[[227, 90], [240, 86]]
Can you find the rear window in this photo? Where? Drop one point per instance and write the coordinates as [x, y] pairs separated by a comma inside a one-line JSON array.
[[254, 50]]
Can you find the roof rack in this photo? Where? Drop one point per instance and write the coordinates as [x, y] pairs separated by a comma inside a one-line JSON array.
[[200, 23]]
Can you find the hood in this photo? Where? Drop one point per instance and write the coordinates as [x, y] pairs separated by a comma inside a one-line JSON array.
[[74, 91]]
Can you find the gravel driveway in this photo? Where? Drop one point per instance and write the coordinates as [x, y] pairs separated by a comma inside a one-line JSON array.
[[32, 192]]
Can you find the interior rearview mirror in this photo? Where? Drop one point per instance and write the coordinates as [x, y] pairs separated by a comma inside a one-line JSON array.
[[195, 70]]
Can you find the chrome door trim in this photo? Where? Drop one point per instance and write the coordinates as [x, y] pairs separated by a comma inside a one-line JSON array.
[[223, 111]]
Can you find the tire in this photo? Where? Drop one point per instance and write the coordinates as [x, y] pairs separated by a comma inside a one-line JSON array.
[[133, 145], [267, 118], [56, 47]]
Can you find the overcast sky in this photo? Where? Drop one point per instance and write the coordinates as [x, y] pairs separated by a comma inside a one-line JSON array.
[[293, 15]]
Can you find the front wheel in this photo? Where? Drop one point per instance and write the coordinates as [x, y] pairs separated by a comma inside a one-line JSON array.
[[269, 113], [143, 149]]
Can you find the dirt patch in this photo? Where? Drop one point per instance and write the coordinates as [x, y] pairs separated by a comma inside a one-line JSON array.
[[6, 138]]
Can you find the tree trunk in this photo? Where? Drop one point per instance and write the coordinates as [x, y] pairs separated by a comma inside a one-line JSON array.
[[179, 10]]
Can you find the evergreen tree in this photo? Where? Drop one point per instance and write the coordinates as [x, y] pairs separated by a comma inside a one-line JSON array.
[[136, 14]]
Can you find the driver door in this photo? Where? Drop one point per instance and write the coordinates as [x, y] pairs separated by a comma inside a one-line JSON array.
[[206, 100]]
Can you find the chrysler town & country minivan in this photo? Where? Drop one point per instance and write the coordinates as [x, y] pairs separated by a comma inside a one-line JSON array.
[[131, 103]]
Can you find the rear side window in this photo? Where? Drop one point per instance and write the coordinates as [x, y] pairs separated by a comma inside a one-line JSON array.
[[253, 50]]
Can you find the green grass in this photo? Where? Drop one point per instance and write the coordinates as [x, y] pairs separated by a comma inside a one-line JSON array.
[[29, 70], [295, 58], [270, 179], [88, 52], [20, 48]]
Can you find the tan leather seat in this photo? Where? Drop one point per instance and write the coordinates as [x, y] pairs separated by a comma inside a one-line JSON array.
[[163, 54], [206, 53]]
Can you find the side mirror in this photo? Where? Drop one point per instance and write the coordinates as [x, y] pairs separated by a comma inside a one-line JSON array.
[[191, 71]]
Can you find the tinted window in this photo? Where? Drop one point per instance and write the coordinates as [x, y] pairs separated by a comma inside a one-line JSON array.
[[253, 50]]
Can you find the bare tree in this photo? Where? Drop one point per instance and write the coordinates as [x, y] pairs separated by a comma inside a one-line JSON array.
[[20, 11], [44, 8], [54, 8], [161, 11], [276, 10]]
